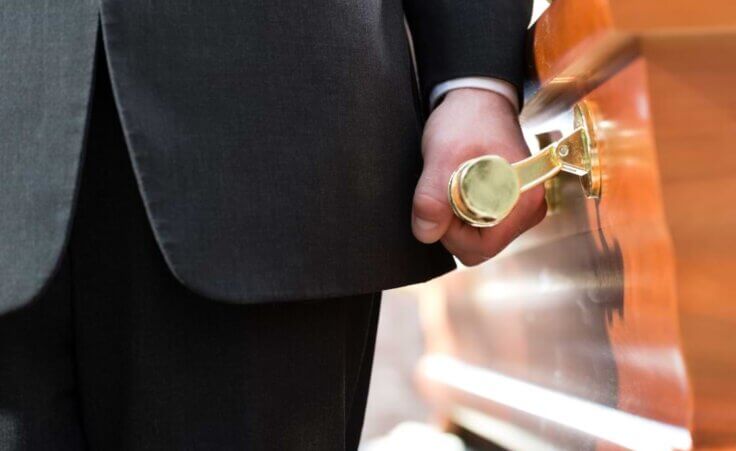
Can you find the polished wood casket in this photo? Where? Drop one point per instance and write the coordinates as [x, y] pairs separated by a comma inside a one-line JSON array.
[[612, 324]]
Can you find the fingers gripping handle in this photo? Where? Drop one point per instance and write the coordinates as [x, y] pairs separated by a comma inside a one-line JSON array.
[[484, 190]]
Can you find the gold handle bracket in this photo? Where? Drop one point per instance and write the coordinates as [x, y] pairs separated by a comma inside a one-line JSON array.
[[484, 190]]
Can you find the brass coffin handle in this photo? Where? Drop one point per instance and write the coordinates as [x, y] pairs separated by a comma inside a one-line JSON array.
[[484, 190]]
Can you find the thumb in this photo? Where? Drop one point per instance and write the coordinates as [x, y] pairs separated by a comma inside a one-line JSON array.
[[431, 213]]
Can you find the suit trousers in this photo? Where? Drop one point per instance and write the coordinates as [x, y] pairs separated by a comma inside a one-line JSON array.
[[117, 355]]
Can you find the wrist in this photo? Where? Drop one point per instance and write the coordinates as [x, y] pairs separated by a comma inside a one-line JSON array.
[[482, 98]]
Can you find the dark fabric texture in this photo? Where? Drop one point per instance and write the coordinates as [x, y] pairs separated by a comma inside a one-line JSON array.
[[46, 64], [276, 144], [118, 355], [461, 38]]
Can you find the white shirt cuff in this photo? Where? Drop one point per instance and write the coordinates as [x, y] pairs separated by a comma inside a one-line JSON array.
[[496, 85]]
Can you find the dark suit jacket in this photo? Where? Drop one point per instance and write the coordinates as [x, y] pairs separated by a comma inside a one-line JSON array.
[[276, 142]]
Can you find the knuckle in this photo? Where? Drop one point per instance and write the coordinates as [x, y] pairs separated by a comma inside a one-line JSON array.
[[454, 149], [490, 250], [541, 213], [534, 198], [468, 260], [533, 209], [442, 141]]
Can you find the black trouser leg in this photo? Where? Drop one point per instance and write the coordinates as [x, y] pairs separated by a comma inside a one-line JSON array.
[[366, 323], [38, 392]]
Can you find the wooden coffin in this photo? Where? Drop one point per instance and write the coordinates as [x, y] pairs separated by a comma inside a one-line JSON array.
[[613, 323]]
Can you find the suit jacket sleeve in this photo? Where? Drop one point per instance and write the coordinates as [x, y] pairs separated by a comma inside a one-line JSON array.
[[464, 38]]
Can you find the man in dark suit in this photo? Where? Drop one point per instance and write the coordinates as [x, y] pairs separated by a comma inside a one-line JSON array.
[[200, 203]]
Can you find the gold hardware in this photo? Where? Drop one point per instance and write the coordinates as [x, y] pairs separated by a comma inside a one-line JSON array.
[[484, 190], [553, 195]]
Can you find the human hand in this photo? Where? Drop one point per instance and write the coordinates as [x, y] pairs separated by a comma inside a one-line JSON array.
[[470, 123]]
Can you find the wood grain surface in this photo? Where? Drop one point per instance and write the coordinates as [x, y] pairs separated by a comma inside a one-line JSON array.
[[627, 301]]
